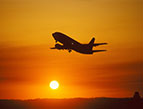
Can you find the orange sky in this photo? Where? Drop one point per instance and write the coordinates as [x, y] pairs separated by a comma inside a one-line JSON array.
[[27, 65]]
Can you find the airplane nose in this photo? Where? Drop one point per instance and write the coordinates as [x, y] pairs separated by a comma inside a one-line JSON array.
[[55, 36]]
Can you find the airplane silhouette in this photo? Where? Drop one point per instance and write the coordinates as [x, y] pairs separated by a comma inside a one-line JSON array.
[[70, 44]]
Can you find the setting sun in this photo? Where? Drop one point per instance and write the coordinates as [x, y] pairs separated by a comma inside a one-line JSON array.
[[54, 84]]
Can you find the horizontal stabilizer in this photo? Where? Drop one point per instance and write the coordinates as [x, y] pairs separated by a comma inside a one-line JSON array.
[[98, 50], [97, 44]]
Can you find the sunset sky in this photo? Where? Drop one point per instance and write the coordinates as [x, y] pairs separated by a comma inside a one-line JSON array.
[[27, 64]]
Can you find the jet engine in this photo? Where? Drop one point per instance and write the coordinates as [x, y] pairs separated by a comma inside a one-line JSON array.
[[58, 46]]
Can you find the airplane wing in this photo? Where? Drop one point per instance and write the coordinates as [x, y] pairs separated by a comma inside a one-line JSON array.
[[59, 47], [53, 48], [97, 44]]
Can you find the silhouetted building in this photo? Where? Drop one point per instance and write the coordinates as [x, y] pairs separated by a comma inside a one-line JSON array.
[[136, 96]]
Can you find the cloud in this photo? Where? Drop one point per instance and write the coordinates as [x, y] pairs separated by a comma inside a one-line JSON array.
[[21, 63], [126, 76], [134, 66]]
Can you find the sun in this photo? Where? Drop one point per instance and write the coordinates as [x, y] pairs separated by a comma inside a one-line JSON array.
[[54, 84]]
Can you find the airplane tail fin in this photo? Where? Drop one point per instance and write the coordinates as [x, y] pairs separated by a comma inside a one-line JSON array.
[[91, 43]]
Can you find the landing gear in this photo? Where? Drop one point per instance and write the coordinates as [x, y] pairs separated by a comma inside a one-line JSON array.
[[70, 50]]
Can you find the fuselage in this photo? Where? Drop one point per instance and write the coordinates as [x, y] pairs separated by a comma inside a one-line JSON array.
[[69, 43]]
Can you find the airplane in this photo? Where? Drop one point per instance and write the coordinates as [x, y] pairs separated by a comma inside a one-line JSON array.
[[70, 44]]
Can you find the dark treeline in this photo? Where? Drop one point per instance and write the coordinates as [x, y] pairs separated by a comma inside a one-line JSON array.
[[75, 103]]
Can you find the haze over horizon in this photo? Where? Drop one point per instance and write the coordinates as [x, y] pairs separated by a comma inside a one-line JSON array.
[[27, 65]]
